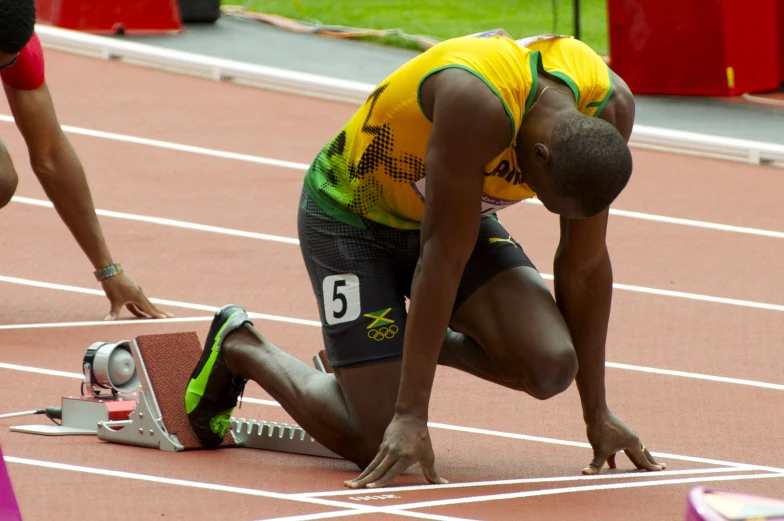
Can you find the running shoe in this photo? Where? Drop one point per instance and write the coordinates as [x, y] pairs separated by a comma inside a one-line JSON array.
[[213, 390]]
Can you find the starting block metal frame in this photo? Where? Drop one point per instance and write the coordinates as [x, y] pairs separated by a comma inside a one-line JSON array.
[[147, 424], [144, 427]]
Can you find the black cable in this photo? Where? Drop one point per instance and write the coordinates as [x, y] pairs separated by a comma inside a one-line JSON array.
[[52, 413]]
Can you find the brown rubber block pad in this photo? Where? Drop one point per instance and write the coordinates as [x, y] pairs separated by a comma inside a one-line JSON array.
[[170, 359]]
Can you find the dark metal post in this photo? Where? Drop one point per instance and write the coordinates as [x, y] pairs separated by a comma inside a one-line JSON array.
[[576, 19]]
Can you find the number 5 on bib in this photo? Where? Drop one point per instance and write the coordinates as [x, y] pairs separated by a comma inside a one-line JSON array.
[[341, 298]]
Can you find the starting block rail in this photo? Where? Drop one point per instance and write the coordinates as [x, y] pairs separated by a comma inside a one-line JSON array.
[[279, 437]]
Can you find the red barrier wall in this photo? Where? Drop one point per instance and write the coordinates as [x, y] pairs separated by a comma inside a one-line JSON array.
[[112, 16], [696, 47]]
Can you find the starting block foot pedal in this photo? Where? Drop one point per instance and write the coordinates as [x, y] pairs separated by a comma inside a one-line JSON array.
[[164, 364], [321, 362]]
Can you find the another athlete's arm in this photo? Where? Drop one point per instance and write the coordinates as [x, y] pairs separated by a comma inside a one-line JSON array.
[[58, 169], [583, 291], [470, 127], [62, 177]]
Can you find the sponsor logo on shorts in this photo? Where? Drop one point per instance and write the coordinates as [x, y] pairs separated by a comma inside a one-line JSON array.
[[381, 327], [511, 241]]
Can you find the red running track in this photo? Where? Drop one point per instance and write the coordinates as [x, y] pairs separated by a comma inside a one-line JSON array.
[[482, 434]]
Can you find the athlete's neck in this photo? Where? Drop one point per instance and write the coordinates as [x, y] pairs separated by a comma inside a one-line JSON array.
[[553, 97]]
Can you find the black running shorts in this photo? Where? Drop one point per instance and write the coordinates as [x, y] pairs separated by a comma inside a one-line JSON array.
[[362, 277]]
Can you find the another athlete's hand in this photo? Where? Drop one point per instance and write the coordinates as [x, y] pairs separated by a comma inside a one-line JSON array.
[[122, 291], [608, 435], [406, 441]]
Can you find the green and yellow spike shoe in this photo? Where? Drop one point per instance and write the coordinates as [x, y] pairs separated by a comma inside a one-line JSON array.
[[212, 392]]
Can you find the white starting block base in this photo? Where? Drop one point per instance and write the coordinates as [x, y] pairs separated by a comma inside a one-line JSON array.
[[52, 430], [81, 415]]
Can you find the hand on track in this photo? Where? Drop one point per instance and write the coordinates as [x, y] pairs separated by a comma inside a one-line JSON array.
[[122, 291], [608, 435], [406, 441]]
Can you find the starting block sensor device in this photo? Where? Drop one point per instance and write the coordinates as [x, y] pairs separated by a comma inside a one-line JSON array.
[[106, 366]]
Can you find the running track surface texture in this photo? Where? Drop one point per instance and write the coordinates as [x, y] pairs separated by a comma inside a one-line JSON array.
[[694, 362]]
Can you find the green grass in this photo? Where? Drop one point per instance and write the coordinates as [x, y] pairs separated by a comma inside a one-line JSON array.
[[442, 19]]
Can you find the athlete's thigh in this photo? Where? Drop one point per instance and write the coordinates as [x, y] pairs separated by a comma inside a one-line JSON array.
[[360, 278], [506, 307], [358, 286]]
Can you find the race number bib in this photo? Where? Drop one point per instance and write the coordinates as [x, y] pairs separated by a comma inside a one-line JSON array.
[[341, 298]]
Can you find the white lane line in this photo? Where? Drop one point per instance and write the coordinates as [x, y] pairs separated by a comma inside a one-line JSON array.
[[178, 482], [702, 298], [587, 488], [313, 517], [168, 222], [581, 444], [383, 510], [685, 222], [175, 146], [524, 481], [698, 224], [304, 166], [163, 302], [39, 370], [364, 509], [95, 323], [314, 323], [290, 240], [689, 296], [697, 376]]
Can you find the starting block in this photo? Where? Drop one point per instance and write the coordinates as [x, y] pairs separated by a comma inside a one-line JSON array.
[[164, 364]]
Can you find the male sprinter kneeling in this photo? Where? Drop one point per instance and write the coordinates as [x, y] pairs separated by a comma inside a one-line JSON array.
[[402, 202]]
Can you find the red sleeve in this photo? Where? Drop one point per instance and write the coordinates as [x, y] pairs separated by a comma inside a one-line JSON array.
[[28, 71]]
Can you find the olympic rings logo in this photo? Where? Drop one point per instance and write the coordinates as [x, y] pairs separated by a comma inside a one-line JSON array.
[[382, 333]]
